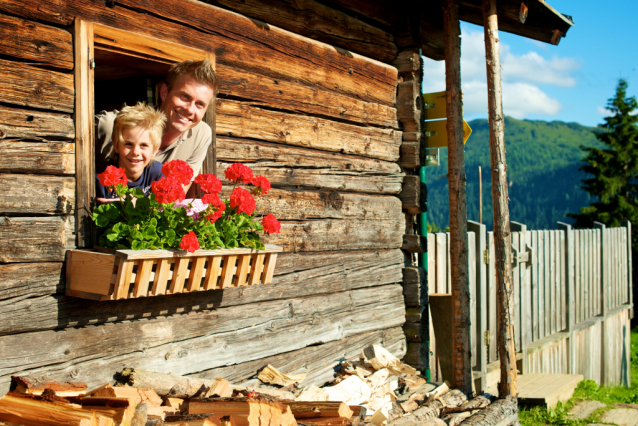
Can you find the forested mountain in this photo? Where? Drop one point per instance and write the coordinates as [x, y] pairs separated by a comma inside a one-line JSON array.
[[542, 169]]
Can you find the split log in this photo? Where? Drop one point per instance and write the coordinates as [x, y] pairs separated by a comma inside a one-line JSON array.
[[312, 19], [415, 397], [241, 120], [139, 396], [380, 358], [326, 421], [313, 393], [500, 412], [27, 85], [312, 409], [413, 194], [273, 376], [432, 408], [206, 421], [36, 386], [155, 412], [37, 194], [36, 42], [293, 96], [121, 410], [221, 337], [175, 403], [30, 410], [237, 40], [301, 275], [294, 167], [164, 384], [55, 158], [249, 412], [24, 123], [29, 239]]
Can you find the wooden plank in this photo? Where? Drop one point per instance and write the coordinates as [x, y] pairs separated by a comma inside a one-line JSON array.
[[432, 258], [161, 277], [197, 271], [54, 158], [577, 288], [296, 167], [228, 271], [30, 279], [492, 316], [36, 239], [84, 143], [269, 268], [473, 293], [547, 283], [319, 22], [322, 318], [563, 280], [180, 273], [535, 309], [515, 304], [33, 41], [142, 278], [91, 272], [28, 85], [448, 265], [541, 285], [24, 123], [480, 245], [37, 194], [213, 272], [242, 120], [123, 279], [243, 266], [298, 275], [256, 268], [592, 276], [129, 254], [526, 291]]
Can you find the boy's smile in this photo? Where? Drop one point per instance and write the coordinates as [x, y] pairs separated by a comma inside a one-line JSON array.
[[135, 151]]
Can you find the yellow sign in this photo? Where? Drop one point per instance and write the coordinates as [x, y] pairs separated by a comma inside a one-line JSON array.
[[436, 133], [434, 105]]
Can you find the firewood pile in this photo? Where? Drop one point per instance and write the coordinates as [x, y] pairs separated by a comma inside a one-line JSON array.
[[377, 389]]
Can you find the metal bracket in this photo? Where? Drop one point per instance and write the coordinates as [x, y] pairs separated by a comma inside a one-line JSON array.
[[92, 63], [524, 256]]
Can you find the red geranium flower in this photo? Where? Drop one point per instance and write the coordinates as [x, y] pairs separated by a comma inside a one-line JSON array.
[[167, 191], [113, 176], [209, 183], [179, 171], [262, 184], [271, 225], [241, 200], [239, 173], [219, 206], [189, 242]]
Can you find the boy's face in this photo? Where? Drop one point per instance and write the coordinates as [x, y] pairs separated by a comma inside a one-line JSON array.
[[135, 151], [185, 104]]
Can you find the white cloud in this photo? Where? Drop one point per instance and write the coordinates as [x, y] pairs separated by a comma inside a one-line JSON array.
[[603, 111], [522, 76]]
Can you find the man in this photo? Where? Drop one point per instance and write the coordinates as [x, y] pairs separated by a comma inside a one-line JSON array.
[[186, 93]]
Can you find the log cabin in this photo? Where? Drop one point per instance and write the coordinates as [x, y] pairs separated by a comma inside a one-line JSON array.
[[323, 97]]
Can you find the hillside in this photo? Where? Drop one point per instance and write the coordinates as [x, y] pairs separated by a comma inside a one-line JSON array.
[[542, 159]]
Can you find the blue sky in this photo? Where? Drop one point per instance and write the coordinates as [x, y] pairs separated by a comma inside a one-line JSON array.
[[568, 82]]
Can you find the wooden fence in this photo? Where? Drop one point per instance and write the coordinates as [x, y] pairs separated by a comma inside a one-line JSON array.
[[571, 307]]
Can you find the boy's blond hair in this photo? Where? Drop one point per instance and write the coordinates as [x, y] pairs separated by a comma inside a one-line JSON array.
[[201, 71], [143, 116]]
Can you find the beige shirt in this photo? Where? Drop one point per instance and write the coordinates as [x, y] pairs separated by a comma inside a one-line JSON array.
[[191, 147]]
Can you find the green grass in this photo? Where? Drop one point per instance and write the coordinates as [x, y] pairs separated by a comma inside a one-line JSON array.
[[587, 390]]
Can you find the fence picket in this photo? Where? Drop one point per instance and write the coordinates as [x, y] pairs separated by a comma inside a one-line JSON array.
[[535, 309], [492, 318], [441, 262], [471, 261], [563, 281], [515, 304]]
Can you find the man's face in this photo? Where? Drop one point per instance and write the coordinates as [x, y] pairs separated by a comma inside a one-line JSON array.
[[135, 151], [185, 104]]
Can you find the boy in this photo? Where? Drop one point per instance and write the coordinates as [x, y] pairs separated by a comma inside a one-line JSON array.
[[137, 135]]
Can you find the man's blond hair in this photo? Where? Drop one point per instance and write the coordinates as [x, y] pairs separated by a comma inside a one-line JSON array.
[[140, 115], [201, 71]]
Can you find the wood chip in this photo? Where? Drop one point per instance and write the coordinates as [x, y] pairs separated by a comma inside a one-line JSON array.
[[273, 376]]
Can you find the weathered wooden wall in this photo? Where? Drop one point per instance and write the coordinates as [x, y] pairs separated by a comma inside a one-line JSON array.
[[312, 106]]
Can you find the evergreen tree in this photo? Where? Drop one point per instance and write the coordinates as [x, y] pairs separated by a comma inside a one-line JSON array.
[[613, 168]]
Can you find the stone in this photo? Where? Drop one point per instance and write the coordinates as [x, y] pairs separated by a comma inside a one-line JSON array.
[[583, 409], [621, 417]]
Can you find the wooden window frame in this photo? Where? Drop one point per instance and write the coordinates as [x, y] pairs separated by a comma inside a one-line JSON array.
[[87, 37]]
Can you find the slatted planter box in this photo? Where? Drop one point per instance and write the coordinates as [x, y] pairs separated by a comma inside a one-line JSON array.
[[104, 274]]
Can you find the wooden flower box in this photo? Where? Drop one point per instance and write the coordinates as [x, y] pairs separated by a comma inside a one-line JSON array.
[[106, 274]]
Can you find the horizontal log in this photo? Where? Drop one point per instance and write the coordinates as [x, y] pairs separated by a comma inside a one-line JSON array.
[[318, 362], [37, 194], [379, 11], [414, 275], [24, 280], [54, 158], [413, 194], [319, 235], [298, 97], [300, 205], [287, 166], [185, 344], [412, 155], [22, 123], [36, 42], [237, 41], [297, 275], [413, 243], [319, 22], [238, 119], [27, 85], [409, 105], [408, 63], [414, 294], [36, 239]]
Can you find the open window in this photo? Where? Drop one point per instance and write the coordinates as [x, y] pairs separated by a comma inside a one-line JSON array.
[[115, 67]]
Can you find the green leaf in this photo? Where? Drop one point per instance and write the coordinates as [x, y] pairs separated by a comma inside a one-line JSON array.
[[138, 193]]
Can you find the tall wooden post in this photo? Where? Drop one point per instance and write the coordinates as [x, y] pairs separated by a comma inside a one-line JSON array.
[[461, 349], [502, 236]]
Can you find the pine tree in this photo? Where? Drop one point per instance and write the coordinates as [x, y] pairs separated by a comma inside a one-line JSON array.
[[613, 168]]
